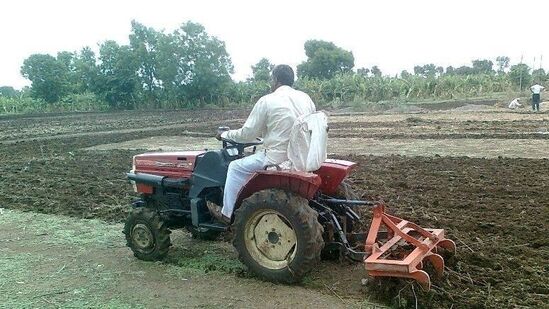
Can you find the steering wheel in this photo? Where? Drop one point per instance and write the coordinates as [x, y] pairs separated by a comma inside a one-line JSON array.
[[229, 143]]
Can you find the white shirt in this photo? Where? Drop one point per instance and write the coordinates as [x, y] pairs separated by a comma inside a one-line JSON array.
[[514, 104], [536, 89], [272, 118]]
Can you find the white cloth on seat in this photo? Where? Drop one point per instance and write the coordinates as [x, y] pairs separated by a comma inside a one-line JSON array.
[[308, 143]]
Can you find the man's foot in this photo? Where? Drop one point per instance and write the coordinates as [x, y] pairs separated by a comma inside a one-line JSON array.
[[215, 211]]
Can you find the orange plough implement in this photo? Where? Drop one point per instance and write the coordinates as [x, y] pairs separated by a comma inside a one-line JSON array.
[[398, 248]]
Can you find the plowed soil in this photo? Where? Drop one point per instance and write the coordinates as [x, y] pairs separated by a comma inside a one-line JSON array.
[[494, 206]]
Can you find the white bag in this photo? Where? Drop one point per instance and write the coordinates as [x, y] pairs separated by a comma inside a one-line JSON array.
[[308, 142]]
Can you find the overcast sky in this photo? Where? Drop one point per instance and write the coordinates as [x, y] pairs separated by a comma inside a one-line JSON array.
[[393, 35]]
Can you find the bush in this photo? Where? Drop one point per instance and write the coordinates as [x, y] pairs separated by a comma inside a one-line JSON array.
[[348, 89], [70, 103]]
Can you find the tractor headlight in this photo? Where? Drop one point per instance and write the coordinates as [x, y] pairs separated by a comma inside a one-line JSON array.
[[134, 185]]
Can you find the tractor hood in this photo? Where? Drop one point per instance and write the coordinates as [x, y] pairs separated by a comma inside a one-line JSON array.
[[171, 164]]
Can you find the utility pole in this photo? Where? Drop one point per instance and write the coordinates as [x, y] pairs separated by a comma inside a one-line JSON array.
[[520, 80]]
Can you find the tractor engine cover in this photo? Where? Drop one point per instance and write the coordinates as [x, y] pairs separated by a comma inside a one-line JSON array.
[[170, 164]]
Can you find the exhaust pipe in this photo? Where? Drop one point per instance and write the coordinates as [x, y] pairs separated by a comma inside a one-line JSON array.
[[158, 181]]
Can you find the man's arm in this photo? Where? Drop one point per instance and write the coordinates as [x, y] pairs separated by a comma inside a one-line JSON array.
[[253, 128]]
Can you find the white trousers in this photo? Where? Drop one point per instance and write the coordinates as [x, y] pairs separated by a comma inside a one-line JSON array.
[[238, 174]]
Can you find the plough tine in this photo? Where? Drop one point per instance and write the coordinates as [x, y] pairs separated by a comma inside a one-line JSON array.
[[422, 277], [438, 263], [447, 244]]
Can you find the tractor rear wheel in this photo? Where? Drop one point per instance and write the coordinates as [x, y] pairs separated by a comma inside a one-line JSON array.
[[277, 235], [147, 235]]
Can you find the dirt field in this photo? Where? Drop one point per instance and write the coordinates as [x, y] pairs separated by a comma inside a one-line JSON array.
[[58, 261], [481, 173]]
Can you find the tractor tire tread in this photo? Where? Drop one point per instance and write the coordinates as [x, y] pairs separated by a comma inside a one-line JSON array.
[[291, 205], [157, 226]]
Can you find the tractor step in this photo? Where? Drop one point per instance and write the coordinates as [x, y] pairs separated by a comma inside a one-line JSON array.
[[215, 226], [403, 248]]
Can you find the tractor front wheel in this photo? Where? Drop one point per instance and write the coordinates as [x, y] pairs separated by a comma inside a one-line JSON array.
[[277, 235], [147, 235]]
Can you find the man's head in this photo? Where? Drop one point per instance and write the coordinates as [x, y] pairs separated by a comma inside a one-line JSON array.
[[282, 75]]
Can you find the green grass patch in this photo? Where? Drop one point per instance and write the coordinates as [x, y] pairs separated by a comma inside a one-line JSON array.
[[204, 256], [62, 230]]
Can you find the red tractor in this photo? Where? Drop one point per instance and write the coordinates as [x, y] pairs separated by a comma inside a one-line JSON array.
[[283, 220]]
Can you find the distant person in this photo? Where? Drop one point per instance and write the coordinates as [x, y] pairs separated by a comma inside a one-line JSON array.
[[515, 104], [536, 96]]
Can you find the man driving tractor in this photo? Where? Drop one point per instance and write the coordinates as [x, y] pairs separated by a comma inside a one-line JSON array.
[[272, 119], [285, 219]]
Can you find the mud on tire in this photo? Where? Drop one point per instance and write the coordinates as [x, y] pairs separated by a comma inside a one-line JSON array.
[[271, 222], [147, 235]]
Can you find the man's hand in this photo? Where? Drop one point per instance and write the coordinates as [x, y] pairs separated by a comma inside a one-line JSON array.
[[220, 131], [218, 136]]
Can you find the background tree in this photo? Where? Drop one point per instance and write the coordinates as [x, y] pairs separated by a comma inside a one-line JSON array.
[[47, 75], [207, 63], [426, 70], [117, 80], [375, 71], [144, 46], [363, 72], [519, 74], [440, 70], [539, 75], [483, 66], [8, 92], [325, 60], [86, 71], [193, 67], [464, 70], [67, 59], [262, 70], [405, 74], [502, 63], [172, 67]]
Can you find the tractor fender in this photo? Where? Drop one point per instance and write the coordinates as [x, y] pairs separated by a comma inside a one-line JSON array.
[[332, 172], [301, 183]]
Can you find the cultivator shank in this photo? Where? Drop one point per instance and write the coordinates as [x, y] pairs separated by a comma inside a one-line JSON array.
[[397, 248]]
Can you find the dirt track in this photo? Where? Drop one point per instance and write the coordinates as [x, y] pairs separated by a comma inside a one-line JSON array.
[[496, 209], [85, 264]]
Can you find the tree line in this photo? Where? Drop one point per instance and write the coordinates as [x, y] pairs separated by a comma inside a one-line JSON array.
[[190, 68]]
